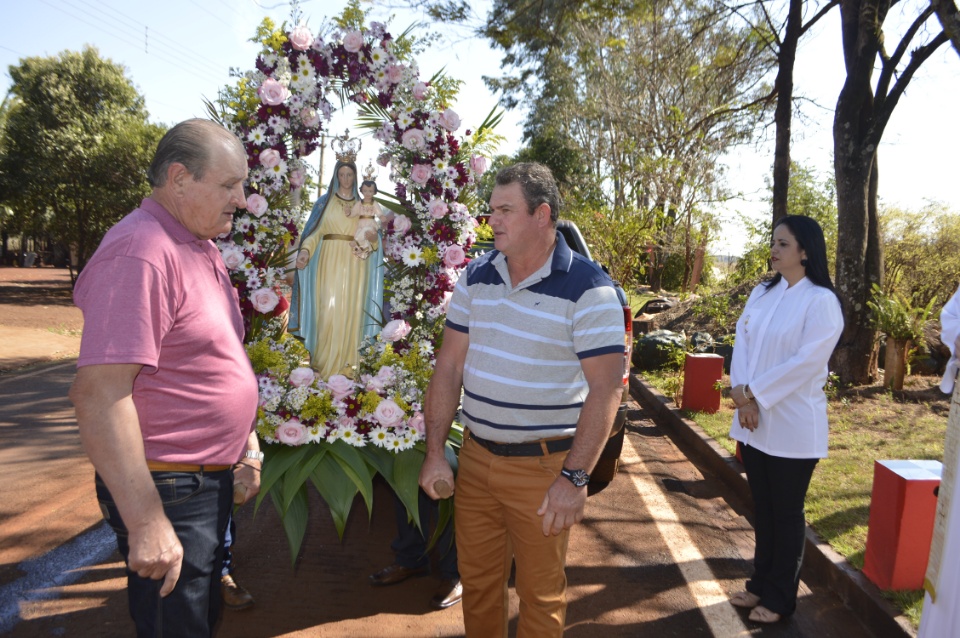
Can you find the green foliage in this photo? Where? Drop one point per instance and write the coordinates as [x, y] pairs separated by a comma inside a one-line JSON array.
[[896, 317], [716, 307], [615, 239], [921, 252], [75, 148], [807, 195]]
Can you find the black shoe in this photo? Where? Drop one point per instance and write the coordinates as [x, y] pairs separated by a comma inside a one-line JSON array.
[[395, 574], [448, 594]]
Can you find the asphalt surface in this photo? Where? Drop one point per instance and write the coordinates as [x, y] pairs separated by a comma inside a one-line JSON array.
[[660, 551]]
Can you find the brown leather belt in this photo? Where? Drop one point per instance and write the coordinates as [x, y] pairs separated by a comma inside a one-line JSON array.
[[343, 237], [160, 466]]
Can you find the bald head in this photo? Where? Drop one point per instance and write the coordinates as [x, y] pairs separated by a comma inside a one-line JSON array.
[[189, 143]]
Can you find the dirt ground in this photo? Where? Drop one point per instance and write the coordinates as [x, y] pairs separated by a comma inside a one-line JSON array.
[[38, 321]]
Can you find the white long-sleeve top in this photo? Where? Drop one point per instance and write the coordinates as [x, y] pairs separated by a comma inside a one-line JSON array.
[[785, 337], [950, 330]]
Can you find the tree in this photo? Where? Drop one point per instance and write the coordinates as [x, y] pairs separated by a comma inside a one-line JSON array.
[[860, 118], [75, 148], [921, 253], [949, 18]]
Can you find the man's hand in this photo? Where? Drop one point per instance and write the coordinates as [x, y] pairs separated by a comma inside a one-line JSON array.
[[435, 468], [562, 506], [156, 552], [246, 480]]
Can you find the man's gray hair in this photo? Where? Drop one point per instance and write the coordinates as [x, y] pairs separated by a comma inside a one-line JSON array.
[[537, 183], [188, 143]]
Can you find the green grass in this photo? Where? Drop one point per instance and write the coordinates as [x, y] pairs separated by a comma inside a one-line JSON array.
[[864, 427]]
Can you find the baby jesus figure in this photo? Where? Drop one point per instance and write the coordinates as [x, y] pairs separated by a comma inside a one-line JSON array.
[[365, 238]]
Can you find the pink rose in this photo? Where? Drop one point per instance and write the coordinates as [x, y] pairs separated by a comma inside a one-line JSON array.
[[478, 163], [233, 257], [401, 224], [438, 208], [292, 433], [388, 413], [310, 117], [373, 384], [413, 139], [272, 92], [257, 204], [420, 90], [421, 173], [395, 330], [416, 424], [301, 38], [264, 300], [302, 377], [453, 256], [297, 177], [450, 120], [395, 73], [387, 374], [340, 386], [270, 157], [353, 41]]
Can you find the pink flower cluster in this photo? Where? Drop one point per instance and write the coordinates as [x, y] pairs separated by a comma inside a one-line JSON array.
[[428, 243]]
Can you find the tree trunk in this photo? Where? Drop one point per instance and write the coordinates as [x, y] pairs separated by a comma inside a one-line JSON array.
[[859, 259], [895, 363], [783, 115]]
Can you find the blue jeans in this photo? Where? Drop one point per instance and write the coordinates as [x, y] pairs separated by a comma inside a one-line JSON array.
[[198, 506], [779, 488], [410, 546]]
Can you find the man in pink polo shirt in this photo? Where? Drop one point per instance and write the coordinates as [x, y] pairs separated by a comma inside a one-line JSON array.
[[165, 395]]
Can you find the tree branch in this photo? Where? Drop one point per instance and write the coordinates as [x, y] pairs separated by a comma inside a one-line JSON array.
[[890, 64], [949, 17]]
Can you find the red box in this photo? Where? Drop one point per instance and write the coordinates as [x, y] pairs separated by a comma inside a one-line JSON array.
[[902, 510], [701, 372]]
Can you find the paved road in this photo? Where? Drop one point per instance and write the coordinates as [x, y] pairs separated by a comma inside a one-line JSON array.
[[661, 550]]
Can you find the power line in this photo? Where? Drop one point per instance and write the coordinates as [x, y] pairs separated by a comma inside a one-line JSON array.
[[126, 40], [210, 13], [176, 50]]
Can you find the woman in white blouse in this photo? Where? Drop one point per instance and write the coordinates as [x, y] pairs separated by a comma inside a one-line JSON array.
[[785, 337]]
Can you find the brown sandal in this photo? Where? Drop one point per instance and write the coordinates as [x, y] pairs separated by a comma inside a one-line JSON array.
[[745, 599], [763, 615]]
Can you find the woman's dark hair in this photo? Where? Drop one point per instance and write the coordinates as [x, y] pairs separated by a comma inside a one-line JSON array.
[[810, 239], [370, 182]]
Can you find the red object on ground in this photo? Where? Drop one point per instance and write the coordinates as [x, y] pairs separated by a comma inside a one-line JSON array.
[[700, 375], [902, 509]]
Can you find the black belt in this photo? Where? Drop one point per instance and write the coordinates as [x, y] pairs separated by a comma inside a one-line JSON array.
[[534, 448]]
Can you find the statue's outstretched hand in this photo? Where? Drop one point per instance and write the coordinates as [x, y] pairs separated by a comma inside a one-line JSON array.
[[303, 258]]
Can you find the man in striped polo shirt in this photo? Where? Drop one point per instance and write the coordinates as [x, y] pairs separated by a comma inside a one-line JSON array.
[[534, 336]]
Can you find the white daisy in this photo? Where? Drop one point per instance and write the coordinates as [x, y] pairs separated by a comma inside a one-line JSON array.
[[413, 256]]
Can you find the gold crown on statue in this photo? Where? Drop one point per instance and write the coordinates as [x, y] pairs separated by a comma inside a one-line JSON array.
[[345, 147], [370, 173]]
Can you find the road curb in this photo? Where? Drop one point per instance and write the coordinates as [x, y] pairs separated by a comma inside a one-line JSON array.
[[822, 566]]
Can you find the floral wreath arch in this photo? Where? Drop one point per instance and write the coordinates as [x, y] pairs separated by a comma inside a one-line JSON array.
[[339, 433]]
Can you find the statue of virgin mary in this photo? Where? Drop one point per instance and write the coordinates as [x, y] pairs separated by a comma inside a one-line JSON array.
[[337, 297]]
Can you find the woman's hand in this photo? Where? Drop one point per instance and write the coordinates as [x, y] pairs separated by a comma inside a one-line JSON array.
[[303, 258], [739, 398], [749, 415]]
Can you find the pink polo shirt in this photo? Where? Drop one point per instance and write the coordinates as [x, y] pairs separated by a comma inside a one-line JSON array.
[[153, 294]]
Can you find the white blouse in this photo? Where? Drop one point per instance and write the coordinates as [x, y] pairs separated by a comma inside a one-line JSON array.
[[950, 330], [785, 337]]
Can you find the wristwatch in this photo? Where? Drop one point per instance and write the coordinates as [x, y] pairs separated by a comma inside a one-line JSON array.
[[257, 456], [577, 477], [746, 393]]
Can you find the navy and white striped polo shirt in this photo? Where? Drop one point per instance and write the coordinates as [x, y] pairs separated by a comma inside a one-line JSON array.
[[522, 379]]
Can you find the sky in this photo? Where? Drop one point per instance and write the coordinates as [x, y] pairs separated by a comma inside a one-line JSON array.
[[178, 52]]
